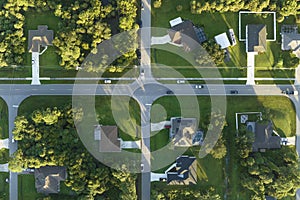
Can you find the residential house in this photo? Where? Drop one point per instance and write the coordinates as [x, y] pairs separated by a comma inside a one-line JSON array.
[[186, 34], [264, 136], [256, 38], [183, 172], [290, 39], [108, 138], [183, 131], [41, 37], [47, 179]]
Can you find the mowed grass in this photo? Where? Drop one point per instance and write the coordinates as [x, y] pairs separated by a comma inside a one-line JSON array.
[[26, 187], [127, 130], [4, 187], [211, 171], [3, 120], [254, 18]]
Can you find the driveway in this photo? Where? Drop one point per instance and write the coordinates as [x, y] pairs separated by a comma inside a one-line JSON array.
[[156, 176], [4, 143], [250, 68], [159, 126], [160, 40], [4, 167]]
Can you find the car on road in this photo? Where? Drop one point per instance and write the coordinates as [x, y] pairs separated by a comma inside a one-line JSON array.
[[107, 81], [234, 92], [199, 86], [142, 6], [170, 92], [142, 73], [142, 167], [180, 81]]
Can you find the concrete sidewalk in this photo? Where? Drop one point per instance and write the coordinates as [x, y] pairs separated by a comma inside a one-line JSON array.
[[159, 126]]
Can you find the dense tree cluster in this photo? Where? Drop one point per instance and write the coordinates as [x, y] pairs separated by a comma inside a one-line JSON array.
[[184, 194], [48, 138], [282, 7], [274, 173], [12, 40], [213, 55]]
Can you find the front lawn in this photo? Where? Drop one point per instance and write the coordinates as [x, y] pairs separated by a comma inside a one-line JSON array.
[[4, 187]]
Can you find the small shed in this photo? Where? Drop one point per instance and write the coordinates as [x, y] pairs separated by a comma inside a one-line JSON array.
[[222, 40], [175, 21]]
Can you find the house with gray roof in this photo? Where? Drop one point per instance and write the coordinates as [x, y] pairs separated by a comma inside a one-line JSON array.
[[183, 132], [290, 39], [47, 179], [187, 35], [183, 172], [40, 37], [264, 137], [256, 38]]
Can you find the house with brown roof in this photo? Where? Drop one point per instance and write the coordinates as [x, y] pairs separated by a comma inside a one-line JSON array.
[[290, 39], [108, 138], [264, 136], [40, 37], [47, 179], [256, 38]]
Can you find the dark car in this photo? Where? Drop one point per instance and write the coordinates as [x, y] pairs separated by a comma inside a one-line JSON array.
[[170, 92], [234, 92], [138, 53], [140, 23]]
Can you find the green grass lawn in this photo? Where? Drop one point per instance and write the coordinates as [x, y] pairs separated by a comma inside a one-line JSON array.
[[103, 109], [253, 18], [282, 113], [4, 187], [3, 119]]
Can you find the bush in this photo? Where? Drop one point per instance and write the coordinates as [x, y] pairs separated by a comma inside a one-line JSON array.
[[4, 156], [157, 4], [179, 8]]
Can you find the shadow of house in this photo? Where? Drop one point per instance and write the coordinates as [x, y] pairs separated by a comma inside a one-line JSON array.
[[290, 39], [264, 138], [187, 35], [183, 172], [256, 38], [47, 179]]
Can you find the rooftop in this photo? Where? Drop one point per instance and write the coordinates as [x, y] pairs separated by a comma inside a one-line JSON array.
[[256, 40], [47, 179], [108, 138], [41, 37], [183, 131]]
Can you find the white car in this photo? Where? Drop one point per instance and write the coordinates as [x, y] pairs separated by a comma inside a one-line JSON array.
[[198, 86], [180, 81], [107, 81]]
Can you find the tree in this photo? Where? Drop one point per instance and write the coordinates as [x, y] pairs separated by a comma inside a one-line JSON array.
[[219, 150]]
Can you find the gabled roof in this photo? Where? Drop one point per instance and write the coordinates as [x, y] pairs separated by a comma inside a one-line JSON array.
[[264, 138], [256, 38], [47, 179], [42, 36], [184, 33], [108, 138], [184, 172], [183, 131]]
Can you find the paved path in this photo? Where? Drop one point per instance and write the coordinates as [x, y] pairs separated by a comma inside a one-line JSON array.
[[250, 68], [297, 76], [160, 40], [4, 167], [159, 126], [4, 143]]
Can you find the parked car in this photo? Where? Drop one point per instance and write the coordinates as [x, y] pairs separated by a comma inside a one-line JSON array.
[[180, 81], [138, 54], [234, 92], [170, 92], [140, 23], [107, 81], [199, 86]]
